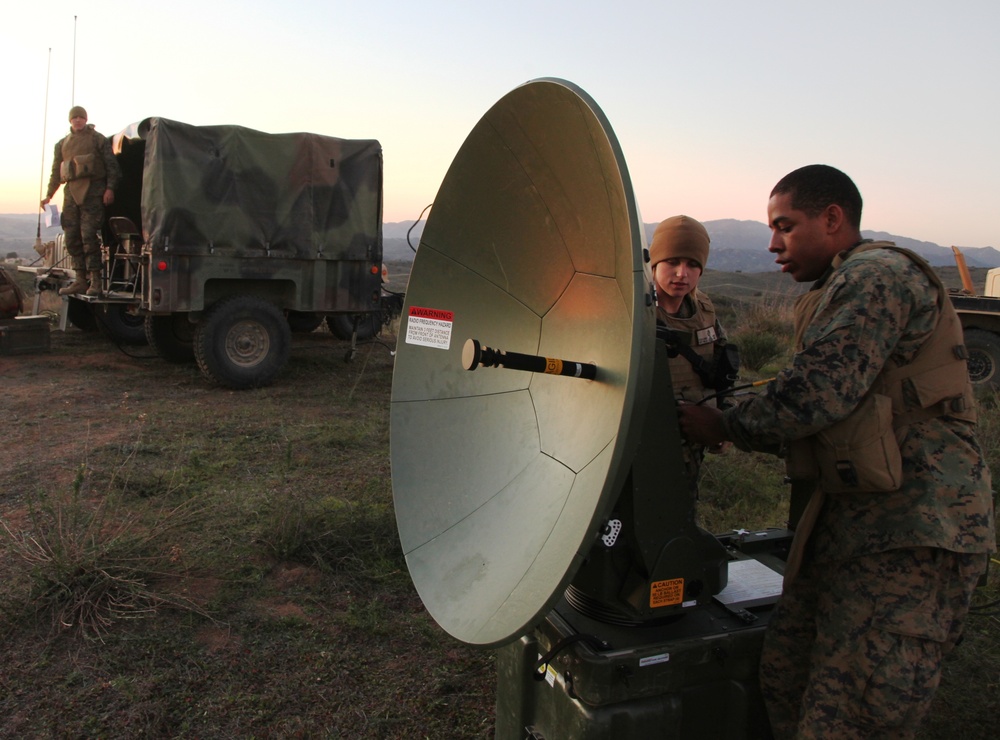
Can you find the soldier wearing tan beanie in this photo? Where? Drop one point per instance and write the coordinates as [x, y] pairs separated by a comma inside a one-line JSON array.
[[686, 318]]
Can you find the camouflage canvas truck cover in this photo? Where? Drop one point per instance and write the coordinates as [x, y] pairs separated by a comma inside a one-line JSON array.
[[239, 231]]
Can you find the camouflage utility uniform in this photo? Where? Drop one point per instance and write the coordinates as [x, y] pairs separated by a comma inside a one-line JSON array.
[[854, 646], [83, 205]]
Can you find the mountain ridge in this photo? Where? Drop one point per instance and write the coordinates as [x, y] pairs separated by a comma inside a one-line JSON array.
[[737, 245]]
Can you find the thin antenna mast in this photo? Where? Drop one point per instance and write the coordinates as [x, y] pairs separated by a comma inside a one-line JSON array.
[[41, 177]]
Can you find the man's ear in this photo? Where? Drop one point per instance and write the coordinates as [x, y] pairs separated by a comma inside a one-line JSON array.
[[833, 218]]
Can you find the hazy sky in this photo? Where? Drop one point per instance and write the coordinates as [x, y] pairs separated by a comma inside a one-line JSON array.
[[712, 101]]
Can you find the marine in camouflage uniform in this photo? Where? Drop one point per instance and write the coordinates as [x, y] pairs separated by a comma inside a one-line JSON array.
[[83, 160], [887, 553]]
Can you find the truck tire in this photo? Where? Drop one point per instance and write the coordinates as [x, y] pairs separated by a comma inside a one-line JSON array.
[[81, 315], [304, 321], [242, 341], [123, 326], [984, 356], [342, 325], [172, 336]]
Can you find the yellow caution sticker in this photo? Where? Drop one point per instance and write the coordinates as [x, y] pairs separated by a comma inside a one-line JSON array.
[[666, 593]]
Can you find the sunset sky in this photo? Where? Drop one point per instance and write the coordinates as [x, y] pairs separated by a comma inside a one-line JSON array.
[[712, 102]]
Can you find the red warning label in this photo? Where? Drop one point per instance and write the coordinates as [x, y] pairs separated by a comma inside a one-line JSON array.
[[429, 327], [666, 593], [438, 314]]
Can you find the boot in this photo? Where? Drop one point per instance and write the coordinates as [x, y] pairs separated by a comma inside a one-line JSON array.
[[95, 283], [79, 285]]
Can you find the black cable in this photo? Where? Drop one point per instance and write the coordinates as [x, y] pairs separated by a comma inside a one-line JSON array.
[[542, 665], [106, 331], [413, 248], [733, 390]]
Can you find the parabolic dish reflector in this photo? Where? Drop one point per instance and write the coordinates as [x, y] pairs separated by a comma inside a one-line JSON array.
[[501, 478]]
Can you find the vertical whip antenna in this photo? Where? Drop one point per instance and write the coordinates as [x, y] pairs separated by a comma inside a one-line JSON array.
[[41, 177], [72, 94]]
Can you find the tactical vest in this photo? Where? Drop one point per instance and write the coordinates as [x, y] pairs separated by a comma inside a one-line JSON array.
[[861, 452], [82, 162], [699, 333], [81, 157]]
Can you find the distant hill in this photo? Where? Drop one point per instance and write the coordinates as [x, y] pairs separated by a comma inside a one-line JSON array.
[[938, 255], [17, 234], [741, 246], [737, 246]]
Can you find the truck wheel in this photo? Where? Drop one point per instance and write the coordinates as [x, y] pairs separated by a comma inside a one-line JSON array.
[[304, 321], [342, 325], [172, 336], [242, 342], [123, 326], [81, 315], [984, 356]]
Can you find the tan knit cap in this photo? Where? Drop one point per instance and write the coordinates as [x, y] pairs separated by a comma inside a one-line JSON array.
[[77, 110], [679, 236]]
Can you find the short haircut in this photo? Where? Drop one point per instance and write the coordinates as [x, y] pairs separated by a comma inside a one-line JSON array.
[[815, 186]]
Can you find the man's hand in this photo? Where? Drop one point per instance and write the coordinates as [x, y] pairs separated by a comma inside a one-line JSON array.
[[109, 197], [45, 202], [702, 425]]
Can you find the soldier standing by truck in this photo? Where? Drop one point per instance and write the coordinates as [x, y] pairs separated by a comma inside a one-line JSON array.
[[83, 160]]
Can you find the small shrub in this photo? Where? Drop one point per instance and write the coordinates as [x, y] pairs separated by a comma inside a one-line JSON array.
[[762, 330], [772, 314], [759, 349], [727, 309], [87, 564], [354, 538]]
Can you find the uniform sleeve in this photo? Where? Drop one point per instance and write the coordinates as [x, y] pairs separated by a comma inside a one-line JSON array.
[[877, 306], [54, 179]]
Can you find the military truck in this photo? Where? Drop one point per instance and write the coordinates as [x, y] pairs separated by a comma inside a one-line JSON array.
[[980, 317], [223, 239]]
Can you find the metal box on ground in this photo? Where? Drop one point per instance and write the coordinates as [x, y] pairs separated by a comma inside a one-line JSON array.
[[692, 677], [24, 335]]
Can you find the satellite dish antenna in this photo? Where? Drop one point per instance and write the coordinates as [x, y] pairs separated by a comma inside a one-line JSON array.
[[505, 471]]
